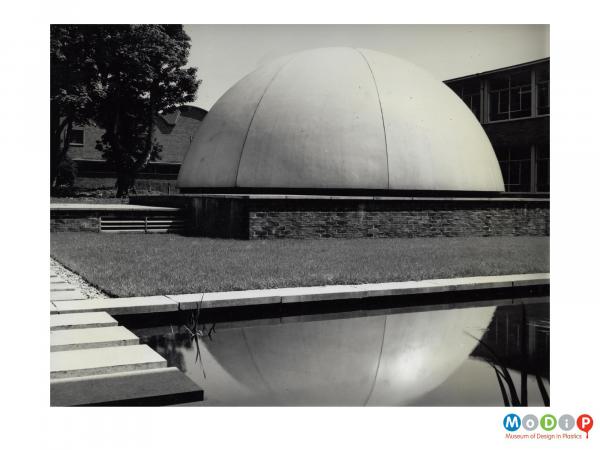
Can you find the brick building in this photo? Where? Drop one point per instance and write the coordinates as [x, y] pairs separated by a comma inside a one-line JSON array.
[[174, 131], [513, 106]]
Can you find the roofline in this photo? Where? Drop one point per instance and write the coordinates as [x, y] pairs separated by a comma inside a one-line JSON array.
[[502, 69], [193, 107]]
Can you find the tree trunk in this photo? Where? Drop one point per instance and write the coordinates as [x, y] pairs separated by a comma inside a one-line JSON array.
[[63, 141], [57, 127], [124, 184]]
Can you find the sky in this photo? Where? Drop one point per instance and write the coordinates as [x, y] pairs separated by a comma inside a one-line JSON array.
[[224, 54]]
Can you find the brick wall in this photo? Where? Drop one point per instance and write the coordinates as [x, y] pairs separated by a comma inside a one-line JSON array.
[[256, 217], [174, 137], [443, 220], [141, 184], [75, 224]]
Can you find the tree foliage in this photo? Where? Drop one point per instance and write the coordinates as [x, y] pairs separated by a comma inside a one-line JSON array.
[[73, 87], [136, 72]]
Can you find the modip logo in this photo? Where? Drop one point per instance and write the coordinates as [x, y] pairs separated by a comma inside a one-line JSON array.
[[585, 423], [512, 422], [547, 427]]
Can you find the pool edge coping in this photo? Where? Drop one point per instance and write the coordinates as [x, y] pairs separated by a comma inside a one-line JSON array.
[[290, 295]]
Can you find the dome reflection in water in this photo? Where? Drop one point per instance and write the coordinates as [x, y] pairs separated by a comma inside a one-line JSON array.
[[371, 360]]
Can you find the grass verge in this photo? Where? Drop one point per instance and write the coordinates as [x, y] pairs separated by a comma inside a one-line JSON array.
[[125, 265]]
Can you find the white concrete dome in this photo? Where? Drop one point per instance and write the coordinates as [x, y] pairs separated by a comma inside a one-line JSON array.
[[341, 118]]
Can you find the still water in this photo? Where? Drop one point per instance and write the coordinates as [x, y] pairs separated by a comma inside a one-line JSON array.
[[493, 354]]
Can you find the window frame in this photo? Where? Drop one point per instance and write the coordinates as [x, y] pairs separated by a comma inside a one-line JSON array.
[[77, 144]]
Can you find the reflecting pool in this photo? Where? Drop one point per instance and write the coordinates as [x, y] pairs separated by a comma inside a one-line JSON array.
[[493, 353]]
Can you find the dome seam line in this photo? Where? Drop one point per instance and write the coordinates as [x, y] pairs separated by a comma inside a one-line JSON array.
[[387, 157], [378, 364], [237, 172]]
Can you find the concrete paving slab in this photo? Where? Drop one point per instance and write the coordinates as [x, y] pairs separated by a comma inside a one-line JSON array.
[[531, 279], [394, 288], [469, 283], [61, 296], [81, 320], [62, 340], [154, 387], [95, 361], [228, 299], [116, 306], [187, 301], [320, 293], [62, 287]]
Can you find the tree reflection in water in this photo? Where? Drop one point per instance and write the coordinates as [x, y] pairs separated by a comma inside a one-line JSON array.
[[518, 339]]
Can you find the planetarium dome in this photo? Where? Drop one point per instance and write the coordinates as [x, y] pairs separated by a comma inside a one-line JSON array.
[[340, 118]]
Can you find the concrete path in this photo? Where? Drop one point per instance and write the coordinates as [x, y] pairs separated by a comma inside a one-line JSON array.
[[93, 360], [83, 320], [84, 338], [151, 387]]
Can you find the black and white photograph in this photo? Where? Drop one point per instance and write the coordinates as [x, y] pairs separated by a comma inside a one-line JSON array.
[[295, 225], [357, 220]]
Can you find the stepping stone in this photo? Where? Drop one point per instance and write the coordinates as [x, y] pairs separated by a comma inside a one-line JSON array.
[[81, 320], [61, 287], [61, 340], [156, 387], [96, 361], [115, 306], [61, 296]]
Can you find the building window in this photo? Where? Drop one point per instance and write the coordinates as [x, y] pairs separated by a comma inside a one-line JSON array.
[[515, 164], [543, 168], [469, 91], [76, 137], [509, 96], [542, 81]]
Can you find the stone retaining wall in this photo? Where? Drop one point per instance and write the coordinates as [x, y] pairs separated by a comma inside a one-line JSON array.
[[89, 219], [302, 217], [450, 220], [75, 223]]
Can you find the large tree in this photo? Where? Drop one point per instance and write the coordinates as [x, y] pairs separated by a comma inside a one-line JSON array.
[[73, 86], [141, 73]]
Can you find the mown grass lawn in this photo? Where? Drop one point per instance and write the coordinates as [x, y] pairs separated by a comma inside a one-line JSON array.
[[145, 264]]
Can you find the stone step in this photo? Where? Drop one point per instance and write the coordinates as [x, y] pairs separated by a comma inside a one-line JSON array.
[[81, 320], [56, 279], [96, 361], [62, 287], [155, 387], [117, 306], [62, 340], [62, 296]]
